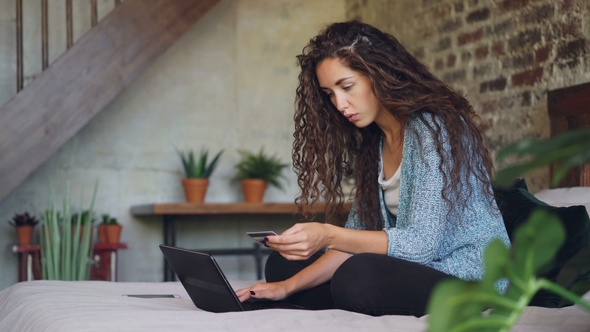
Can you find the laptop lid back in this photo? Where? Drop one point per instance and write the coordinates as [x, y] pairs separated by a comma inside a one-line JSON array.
[[202, 279]]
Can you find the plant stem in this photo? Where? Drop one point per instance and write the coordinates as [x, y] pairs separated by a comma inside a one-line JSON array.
[[532, 287], [486, 298]]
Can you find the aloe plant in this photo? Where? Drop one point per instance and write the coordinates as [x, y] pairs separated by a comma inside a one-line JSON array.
[[65, 254], [200, 168], [260, 166]]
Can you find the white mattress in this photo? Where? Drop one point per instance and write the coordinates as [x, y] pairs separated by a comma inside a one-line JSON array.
[[98, 306]]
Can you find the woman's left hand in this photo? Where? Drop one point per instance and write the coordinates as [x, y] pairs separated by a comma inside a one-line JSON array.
[[301, 241]]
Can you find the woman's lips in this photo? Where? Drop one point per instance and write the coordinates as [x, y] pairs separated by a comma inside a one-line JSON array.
[[352, 117]]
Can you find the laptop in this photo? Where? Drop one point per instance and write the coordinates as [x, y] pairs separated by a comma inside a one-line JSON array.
[[206, 284]]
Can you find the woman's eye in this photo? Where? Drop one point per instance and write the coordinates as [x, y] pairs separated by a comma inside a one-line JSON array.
[[348, 87]]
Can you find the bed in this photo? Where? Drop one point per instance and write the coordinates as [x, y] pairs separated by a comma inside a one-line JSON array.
[[99, 306]]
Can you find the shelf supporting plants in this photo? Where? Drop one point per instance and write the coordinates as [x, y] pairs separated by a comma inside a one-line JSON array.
[[255, 172], [197, 174]]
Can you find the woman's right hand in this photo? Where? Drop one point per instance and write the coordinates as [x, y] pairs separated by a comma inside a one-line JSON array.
[[265, 290]]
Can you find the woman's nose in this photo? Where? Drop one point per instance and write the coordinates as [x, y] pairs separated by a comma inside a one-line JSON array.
[[340, 102]]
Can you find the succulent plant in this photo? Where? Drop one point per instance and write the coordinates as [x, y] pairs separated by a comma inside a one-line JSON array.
[[260, 166], [200, 168], [108, 220], [24, 219]]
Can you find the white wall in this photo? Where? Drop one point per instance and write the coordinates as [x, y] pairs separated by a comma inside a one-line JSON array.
[[228, 83]]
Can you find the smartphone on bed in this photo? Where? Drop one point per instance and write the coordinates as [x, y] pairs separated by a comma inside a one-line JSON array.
[[154, 296], [260, 236]]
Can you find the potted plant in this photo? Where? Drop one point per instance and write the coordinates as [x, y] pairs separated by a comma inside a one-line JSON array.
[[24, 224], [197, 174], [66, 252], [102, 228], [113, 230], [255, 171]]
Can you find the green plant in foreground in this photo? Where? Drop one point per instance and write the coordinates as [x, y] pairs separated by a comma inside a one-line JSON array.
[[85, 215], [65, 254], [457, 305], [260, 166], [567, 150], [200, 169]]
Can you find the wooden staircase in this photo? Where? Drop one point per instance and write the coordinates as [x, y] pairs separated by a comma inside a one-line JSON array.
[[36, 122]]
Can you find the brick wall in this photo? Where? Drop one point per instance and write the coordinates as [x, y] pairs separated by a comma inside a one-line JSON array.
[[503, 55]]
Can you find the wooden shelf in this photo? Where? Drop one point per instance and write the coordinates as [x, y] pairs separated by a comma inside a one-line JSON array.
[[170, 211], [223, 208]]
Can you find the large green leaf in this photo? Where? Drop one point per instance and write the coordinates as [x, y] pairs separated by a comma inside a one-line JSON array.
[[566, 150], [458, 305]]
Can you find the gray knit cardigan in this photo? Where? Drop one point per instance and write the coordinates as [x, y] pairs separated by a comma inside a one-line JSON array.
[[422, 231]]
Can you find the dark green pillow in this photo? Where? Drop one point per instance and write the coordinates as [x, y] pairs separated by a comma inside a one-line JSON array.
[[516, 204]]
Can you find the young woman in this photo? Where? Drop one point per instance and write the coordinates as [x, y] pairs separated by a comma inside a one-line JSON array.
[[424, 209]]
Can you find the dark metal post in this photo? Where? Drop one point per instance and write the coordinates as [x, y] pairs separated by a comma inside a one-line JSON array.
[[44, 35], [19, 46], [69, 24], [170, 240], [94, 13]]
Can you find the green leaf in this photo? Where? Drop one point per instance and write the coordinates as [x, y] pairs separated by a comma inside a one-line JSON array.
[[446, 310], [458, 305], [211, 167], [568, 149], [202, 163]]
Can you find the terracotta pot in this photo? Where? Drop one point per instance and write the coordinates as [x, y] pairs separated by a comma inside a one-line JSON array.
[[102, 233], [25, 234], [81, 233], [253, 190], [113, 233], [195, 189]]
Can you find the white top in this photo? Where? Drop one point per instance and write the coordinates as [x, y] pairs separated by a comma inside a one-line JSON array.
[[391, 190]]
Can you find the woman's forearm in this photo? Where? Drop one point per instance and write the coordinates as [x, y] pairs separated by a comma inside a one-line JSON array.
[[356, 241]]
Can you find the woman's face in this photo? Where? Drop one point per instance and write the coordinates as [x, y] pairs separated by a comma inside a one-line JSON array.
[[350, 92]]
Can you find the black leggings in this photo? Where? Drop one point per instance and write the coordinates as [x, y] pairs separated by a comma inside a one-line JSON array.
[[371, 284]]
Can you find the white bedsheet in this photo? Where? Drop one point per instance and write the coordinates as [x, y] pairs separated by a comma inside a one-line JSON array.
[[98, 306]]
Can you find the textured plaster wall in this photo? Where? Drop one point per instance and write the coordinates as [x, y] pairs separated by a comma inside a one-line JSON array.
[[228, 83], [503, 55]]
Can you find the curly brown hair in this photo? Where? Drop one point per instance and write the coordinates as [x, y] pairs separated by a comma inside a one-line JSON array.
[[328, 148]]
